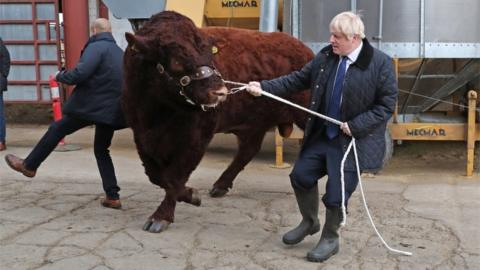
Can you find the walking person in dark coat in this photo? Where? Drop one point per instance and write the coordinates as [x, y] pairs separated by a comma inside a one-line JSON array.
[[4, 70], [95, 101], [354, 83]]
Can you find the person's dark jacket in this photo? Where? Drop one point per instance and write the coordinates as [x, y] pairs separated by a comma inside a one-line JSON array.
[[98, 79], [4, 66], [368, 99]]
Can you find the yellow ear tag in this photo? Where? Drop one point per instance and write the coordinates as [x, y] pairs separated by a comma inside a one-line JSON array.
[[214, 49]]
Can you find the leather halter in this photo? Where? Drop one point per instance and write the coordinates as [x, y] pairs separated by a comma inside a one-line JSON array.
[[201, 73]]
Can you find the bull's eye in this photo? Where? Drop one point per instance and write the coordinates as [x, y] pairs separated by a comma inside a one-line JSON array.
[[175, 66]]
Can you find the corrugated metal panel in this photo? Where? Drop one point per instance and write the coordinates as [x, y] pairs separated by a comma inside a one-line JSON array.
[[21, 93], [45, 11], [12, 11], [21, 52], [22, 73], [408, 28], [16, 32]]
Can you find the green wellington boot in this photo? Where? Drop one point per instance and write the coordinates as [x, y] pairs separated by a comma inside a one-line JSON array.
[[329, 241], [308, 205]]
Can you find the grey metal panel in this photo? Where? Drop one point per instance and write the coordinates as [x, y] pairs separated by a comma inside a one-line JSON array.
[[16, 31], [287, 16], [401, 20], [46, 94], [412, 49], [452, 50], [47, 52], [315, 17], [396, 50], [21, 92], [21, 52], [53, 31], [452, 21], [410, 28], [15, 11], [45, 11], [138, 9], [268, 16], [401, 49], [22, 73], [46, 71], [41, 32]]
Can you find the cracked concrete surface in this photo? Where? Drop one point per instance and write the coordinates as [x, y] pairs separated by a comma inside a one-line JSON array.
[[420, 203]]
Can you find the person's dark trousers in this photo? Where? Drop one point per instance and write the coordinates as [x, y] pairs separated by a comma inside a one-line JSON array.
[[66, 126], [2, 119], [57, 130], [103, 140], [318, 158]]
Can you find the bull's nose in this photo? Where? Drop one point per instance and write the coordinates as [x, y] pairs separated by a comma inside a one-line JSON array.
[[223, 91]]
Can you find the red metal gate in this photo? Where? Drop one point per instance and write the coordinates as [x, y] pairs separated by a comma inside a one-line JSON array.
[[31, 32]]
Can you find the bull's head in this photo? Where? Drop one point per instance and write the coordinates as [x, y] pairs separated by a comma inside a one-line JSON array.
[[172, 48]]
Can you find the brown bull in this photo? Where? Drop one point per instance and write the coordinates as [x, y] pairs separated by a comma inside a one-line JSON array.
[[175, 99]]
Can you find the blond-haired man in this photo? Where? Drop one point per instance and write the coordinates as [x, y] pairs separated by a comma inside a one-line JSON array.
[[355, 83], [94, 101]]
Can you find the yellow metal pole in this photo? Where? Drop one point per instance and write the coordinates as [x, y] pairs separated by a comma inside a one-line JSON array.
[[279, 164], [395, 113], [278, 149], [472, 98]]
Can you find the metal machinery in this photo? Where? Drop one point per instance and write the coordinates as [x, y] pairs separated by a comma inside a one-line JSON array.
[[435, 45], [242, 14], [436, 49]]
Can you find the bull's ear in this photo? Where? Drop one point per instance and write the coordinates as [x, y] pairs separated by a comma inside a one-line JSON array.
[[136, 43], [130, 38]]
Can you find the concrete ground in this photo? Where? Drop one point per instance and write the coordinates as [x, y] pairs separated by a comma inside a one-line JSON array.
[[421, 203]]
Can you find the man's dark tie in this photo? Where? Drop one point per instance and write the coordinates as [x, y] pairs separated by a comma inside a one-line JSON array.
[[335, 99]]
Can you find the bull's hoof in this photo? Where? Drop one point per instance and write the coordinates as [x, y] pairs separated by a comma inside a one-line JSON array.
[[218, 192], [155, 226], [196, 199]]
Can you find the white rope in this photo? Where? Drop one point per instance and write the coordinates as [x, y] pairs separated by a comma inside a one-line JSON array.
[[342, 181], [342, 178], [366, 207], [235, 90]]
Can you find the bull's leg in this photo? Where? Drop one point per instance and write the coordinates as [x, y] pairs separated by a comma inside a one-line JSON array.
[[249, 143], [189, 195], [173, 181], [172, 178], [164, 214]]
